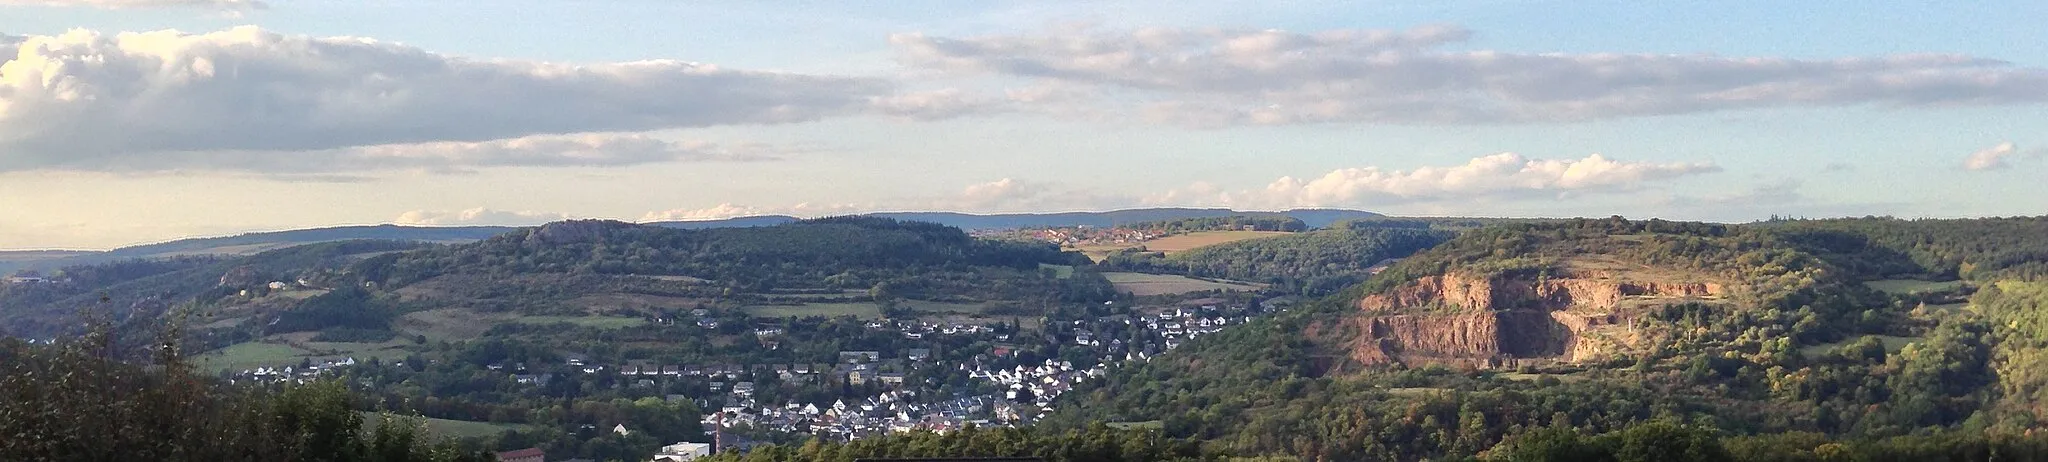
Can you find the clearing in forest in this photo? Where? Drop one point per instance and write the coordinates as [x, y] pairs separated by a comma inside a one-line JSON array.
[[1142, 284]]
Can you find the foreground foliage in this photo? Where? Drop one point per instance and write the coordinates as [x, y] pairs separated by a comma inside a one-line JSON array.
[[78, 400]]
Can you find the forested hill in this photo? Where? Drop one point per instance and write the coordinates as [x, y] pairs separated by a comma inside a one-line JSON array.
[[794, 253], [1845, 330], [538, 269], [143, 289]]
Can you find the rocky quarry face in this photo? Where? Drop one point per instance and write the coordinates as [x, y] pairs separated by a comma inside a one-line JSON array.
[[1481, 322]]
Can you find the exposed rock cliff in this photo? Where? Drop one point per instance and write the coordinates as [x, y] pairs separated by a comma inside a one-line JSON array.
[[1455, 291], [1481, 322]]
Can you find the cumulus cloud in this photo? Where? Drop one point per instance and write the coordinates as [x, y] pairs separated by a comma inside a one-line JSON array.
[[477, 217], [1219, 77], [586, 150], [84, 94], [125, 4], [1504, 175], [1013, 195], [1992, 158]]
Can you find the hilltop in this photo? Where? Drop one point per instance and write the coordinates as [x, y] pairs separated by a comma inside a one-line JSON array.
[[1845, 328]]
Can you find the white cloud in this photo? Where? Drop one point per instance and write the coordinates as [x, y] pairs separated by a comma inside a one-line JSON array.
[[1013, 195], [83, 95], [124, 4], [1219, 77], [936, 104], [477, 217], [718, 212], [1000, 196], [1992, 158], [730, 210], [1504, 175]]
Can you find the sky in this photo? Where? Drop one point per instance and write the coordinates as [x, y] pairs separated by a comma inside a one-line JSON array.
[[125, 122]]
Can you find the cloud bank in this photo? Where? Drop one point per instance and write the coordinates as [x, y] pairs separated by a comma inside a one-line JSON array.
[[1221, 77], [477, 217], [81, 95], [1504, 176], [1497, 178]]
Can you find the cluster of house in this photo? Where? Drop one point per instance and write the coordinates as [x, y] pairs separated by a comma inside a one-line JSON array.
[[23, 279], [294, 374], [1084, 235], [891, 411], [854, 367], [913, 329], [1039, 384]]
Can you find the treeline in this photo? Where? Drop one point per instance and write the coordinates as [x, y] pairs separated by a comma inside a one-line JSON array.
[[1655, 441], [79, 400], [1976, 249], [1230, 223], [1676, 442], [1314, 263], [1093, 444]]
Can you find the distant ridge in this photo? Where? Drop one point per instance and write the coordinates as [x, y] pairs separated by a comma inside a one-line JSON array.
[[249, 243], [1315, 218]]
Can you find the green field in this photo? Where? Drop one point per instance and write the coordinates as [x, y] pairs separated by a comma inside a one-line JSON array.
[[1059, 271], [274, 352], [863, 310], [1178, 243], [446, 323], [251, 355], [943, 307], [1184, 242], [601, 322], [449, 428], [1909, 286], [1142, 284]]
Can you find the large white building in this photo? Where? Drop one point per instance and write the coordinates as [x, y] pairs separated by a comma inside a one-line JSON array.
[[681, 452]]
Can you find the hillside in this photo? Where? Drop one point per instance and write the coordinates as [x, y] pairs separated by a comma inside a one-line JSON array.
[[251, 243], [1604, 324], [1316, 262], [366, 297]]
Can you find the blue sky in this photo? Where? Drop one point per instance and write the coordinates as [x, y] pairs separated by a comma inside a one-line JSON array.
[[459, 112]]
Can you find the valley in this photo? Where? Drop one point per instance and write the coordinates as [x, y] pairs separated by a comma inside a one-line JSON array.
[[868, 331]]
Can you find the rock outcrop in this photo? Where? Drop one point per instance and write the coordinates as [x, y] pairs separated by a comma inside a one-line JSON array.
[[1460, 292], [1480, 322], [563, 232]]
